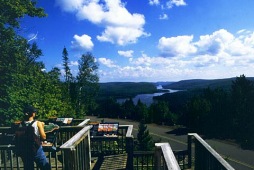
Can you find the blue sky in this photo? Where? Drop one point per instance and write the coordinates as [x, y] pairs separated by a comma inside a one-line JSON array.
[[148, 40]]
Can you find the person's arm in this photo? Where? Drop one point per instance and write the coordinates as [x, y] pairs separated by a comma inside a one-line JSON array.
[[41, 130]]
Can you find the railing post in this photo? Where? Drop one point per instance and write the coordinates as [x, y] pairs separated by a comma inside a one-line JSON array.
[[189, 150], [157, 157], [70, 160], [129, 149]]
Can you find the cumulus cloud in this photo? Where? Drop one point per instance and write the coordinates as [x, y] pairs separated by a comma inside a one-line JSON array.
[[121, 35], [215, 44], [107, 62], [163, 17], [219, 49], [209, 63], [126, 53], [118, 22], [171, 3], [176, 46], [82, 42]]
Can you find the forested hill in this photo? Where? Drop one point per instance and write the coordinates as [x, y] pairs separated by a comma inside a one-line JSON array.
[[125, 89], [202, 83]]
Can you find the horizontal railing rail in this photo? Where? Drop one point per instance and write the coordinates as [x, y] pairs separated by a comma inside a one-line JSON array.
[[205, 157]]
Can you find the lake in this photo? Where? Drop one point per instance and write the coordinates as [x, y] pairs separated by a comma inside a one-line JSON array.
[[147, 98]]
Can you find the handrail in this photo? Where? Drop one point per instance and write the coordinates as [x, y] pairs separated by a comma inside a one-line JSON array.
[[168, 155], [211, 153], [129, 130], [77, 151], [83, 123], [74, 141]]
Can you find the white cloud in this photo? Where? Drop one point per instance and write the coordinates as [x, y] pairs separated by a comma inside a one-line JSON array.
[[154, 2], [107, 62], [126, 53], [118, 22], [73, 63], [217, 55], [69, 6], [176, 46], [163, 17], [83, 42], [171, 3], [121, 35]]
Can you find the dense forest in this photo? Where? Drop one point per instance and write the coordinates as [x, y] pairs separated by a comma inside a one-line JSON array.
[[219, 111]]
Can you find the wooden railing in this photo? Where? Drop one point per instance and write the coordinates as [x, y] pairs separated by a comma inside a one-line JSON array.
[[205, 157], [122, 143], [8, 159], [145, 159], [78, 148], [164, 157], [76, 151]]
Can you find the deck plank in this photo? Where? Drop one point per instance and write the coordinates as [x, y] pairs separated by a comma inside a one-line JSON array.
[[114, 162]]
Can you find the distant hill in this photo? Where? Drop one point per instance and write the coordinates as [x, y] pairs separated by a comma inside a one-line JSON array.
[[125, 89], [202, 83], [163, 83]]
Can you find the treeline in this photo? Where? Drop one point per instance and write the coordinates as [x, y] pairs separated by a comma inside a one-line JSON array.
[[125, 89], [24, 81], [158, 112], [224, 114]]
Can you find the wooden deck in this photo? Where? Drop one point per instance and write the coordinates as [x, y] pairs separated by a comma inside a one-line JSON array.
[[112, 162]]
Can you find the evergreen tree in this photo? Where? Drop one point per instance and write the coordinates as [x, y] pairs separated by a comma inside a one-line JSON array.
[[128, 109], [141, 112], [67, 70], [144, 140], [242, 91], [88, 86]]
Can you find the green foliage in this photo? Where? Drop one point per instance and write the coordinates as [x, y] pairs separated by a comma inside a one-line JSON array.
[[161, 113], [242, 95], [141, 112], [198, 108], [67, 70], [109, 108], [13, 11], [128, 109], [125, 89], [144, 140], [87, 80]]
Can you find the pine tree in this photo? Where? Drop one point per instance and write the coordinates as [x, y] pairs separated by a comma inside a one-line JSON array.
[[145, 142], [67, 70]]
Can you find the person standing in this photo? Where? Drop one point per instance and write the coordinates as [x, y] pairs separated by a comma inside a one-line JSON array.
[[38, 156]]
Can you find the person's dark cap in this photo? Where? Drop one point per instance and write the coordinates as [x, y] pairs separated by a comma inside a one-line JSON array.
[[28, 110]]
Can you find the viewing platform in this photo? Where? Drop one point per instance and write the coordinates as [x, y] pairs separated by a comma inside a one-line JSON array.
[[83, 145]]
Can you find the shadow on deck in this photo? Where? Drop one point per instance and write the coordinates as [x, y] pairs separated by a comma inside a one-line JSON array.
[[112, 162]]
